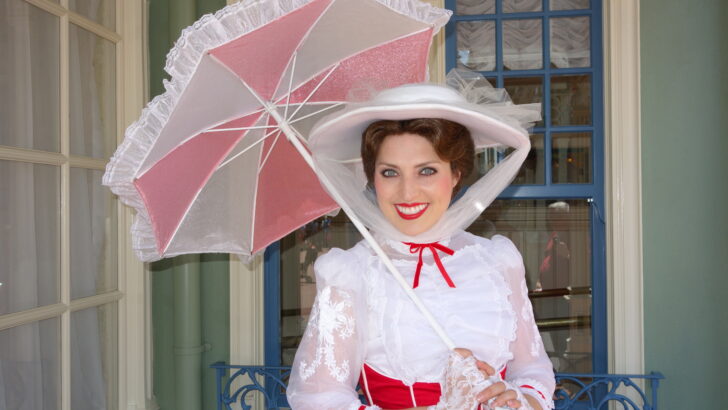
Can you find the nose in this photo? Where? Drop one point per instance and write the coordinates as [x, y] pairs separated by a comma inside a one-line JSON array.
[[409, 188]]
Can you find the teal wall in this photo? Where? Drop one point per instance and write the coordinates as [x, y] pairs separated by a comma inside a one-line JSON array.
[[684, 64], [190, 294]]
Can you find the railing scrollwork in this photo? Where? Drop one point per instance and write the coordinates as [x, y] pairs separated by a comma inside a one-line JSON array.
[[240, 384]]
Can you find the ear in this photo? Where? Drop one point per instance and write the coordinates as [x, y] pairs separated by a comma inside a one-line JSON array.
[[455, 177]]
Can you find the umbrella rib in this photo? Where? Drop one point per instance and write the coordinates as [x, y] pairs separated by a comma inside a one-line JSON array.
[[316, 112], [247, 149], [257, 127], [308, 97], [290, 84], [267, 155]]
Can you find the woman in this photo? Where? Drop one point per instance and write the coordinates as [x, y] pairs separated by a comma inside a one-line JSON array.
[[363, 328]]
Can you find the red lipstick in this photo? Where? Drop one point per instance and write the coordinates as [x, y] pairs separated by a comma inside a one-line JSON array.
[[409, 215]]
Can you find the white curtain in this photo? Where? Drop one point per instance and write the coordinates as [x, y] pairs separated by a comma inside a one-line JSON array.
[[30, 219], [523, 38]]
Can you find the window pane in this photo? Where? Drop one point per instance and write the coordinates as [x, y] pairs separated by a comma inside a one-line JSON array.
[[476, 45], [531, 172], [30, 363], [518, 6], [29, 235], [570, 42], [94, 362], [571, 157], [299, 250], [475, 7], [554, 239], [571, 100], [92, 93], [526, 90], [93, 234], [102, 12], [29, 77], [522, 44], [569, 4]]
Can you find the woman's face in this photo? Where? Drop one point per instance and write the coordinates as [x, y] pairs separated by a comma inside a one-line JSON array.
[[414, 186]]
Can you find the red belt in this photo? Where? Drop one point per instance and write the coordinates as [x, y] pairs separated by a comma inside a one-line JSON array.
[[390, 393]]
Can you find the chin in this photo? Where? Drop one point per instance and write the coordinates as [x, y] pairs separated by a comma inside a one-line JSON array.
[[412, 231]]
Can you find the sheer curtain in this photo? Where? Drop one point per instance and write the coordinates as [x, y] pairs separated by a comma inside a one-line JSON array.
[[30, 237], [523, 38]]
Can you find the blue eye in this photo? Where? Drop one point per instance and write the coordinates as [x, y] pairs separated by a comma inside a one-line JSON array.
[[427, 171], [388, 173]]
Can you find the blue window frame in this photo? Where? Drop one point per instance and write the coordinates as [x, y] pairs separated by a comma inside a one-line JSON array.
[[549, 185], [592, 191]]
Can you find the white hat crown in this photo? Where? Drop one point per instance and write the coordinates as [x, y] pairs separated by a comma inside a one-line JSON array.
[[419, 93]]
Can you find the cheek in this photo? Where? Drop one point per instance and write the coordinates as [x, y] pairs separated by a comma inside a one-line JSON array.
[[382, 189], [443, 188]]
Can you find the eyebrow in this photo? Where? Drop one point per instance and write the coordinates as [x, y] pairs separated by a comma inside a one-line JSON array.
[[416, 166]]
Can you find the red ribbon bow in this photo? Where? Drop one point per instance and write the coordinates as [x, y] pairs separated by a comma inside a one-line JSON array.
[[434, 247]]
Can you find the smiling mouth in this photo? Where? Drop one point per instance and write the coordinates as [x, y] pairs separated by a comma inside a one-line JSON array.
[[411, 211]]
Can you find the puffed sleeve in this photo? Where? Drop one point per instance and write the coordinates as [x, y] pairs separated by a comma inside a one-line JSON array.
[[530, 369], [328, 361]]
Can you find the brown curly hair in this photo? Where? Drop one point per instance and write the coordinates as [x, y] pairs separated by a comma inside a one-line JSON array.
[[452, 143]]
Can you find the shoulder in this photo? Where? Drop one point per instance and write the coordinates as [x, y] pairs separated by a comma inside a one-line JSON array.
[[339, 267], [499, 247]]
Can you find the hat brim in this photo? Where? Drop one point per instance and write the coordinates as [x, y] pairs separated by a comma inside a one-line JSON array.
[[338, 136]]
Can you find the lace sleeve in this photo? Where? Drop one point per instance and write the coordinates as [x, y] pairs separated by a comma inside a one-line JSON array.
[[329, 358], [530, 369]]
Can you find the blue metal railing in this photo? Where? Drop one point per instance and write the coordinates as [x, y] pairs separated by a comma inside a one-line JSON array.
[[240, 384]]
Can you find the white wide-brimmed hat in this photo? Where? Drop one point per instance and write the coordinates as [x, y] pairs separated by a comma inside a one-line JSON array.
[[488, 113]]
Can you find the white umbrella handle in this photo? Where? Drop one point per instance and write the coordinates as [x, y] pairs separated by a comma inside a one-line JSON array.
[[293, 138]]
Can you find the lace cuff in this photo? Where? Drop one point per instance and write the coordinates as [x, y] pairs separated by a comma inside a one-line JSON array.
[[536, 390], [463, 381]]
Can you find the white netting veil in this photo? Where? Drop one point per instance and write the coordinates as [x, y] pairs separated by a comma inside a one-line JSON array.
[[487, 112]]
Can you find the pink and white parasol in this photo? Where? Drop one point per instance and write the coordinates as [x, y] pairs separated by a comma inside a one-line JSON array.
[[215, 163]]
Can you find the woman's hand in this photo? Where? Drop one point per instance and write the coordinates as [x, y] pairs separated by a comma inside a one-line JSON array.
[[506, 397], [498, 392], [501, 395]]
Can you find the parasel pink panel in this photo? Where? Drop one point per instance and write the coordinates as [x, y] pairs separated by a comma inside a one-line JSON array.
[[241, 122], [253, 56], [401, 61], [170, 186], [289, 194]]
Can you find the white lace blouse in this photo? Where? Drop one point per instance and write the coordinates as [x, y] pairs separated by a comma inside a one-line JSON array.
[[362, 315]]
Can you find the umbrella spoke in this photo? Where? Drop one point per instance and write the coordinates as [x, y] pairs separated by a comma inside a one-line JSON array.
[[308, 97], [290, 85], [316, 112], [267, 155], [256, 127], [227, 161]]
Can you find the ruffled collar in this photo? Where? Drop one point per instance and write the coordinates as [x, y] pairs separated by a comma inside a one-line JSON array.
[[402, 247]]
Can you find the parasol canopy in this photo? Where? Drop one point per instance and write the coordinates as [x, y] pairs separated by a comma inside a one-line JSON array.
[[211, 165]]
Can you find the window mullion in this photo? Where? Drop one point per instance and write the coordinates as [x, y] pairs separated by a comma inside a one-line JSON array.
[[546, 102], [34, 315], [95, 301], [93, 27], [65, 212], [31, 156], [49, 6]]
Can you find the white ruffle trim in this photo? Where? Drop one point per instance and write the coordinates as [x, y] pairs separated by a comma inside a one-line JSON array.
[[210, 31], [537, 386]]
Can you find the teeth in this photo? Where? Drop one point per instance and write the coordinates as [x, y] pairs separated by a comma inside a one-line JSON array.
[[410, 210]]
